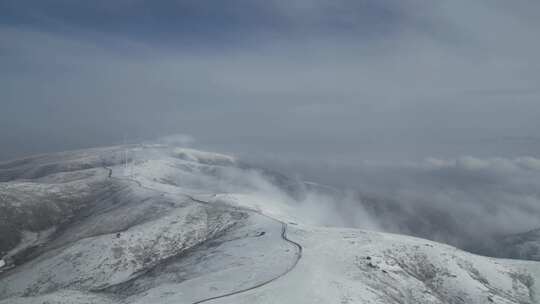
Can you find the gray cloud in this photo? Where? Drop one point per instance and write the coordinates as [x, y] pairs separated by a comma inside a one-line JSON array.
[[439, 79]]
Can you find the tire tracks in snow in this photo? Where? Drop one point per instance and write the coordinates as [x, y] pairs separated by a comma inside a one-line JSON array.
[[299, 249]]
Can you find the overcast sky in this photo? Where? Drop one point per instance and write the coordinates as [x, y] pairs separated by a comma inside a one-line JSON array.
[[299, 79]]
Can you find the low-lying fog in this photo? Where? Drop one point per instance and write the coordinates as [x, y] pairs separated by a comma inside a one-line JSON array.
[[468, 202]]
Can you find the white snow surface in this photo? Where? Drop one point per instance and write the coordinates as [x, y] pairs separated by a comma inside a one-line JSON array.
[[351, 266], [158, 246]]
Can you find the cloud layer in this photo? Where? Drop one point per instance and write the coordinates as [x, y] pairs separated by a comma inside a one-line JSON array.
[[469, 202], [368, 79]]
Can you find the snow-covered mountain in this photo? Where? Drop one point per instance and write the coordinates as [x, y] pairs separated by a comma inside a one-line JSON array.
[[178, 225]]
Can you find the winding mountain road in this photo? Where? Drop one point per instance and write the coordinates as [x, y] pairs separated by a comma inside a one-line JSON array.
[[284, 226]]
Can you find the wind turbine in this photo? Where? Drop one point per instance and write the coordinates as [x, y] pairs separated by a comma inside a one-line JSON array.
[[126, 166]]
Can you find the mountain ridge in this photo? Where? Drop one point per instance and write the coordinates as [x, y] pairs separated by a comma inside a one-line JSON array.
[[181, 226]]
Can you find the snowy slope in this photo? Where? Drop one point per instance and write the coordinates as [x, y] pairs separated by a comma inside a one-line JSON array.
[[185, 226], [351, 266]]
